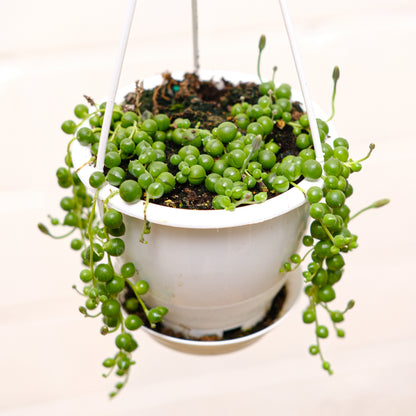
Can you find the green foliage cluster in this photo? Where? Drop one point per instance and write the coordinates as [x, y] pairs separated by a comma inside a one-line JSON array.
[[238, 163]]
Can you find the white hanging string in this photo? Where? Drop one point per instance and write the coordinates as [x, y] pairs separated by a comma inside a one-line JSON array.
[[105, 129], [195, 35], [308, 102], [120, 58]]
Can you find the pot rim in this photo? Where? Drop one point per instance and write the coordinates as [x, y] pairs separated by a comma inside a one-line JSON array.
[[200, 219]]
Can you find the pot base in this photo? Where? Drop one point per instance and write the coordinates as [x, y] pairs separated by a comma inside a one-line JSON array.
[[294, 285]]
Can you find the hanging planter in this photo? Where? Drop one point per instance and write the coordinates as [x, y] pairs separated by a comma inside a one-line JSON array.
[[203, 265], [149, 261]]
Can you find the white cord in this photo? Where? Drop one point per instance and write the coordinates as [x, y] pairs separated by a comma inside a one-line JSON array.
[[308, 102], [105, 129], [195, 35]]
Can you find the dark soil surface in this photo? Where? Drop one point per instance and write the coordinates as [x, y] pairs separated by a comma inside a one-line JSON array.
[[209, 104], [270, 317]]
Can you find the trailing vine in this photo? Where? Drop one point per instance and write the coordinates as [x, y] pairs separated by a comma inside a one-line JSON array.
[[238, 162]]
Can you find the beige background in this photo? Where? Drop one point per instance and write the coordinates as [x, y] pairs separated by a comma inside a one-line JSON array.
[[52, 52]]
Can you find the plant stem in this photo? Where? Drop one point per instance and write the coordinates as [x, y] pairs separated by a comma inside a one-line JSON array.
[[274, 73], [69, 144], [88, 162], [372, 147], [91, 237], [327, 232], [76, 290], [56, 237], [377, 204], [145, 310], [256, 144], [298, 187], [303, 258], [318, 341], [262, 44], [113, 193], [145, 223], [335, 77]]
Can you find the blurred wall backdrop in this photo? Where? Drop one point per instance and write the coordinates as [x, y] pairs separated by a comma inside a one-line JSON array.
[[51, 53]]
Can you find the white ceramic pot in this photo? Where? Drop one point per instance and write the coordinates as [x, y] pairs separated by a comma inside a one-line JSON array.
[[293, 285], [214, 270]]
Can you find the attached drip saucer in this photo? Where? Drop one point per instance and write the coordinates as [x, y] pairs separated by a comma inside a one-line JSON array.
[[294, 285]]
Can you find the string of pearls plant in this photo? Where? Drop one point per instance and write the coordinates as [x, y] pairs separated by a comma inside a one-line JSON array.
[[238, 163]]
